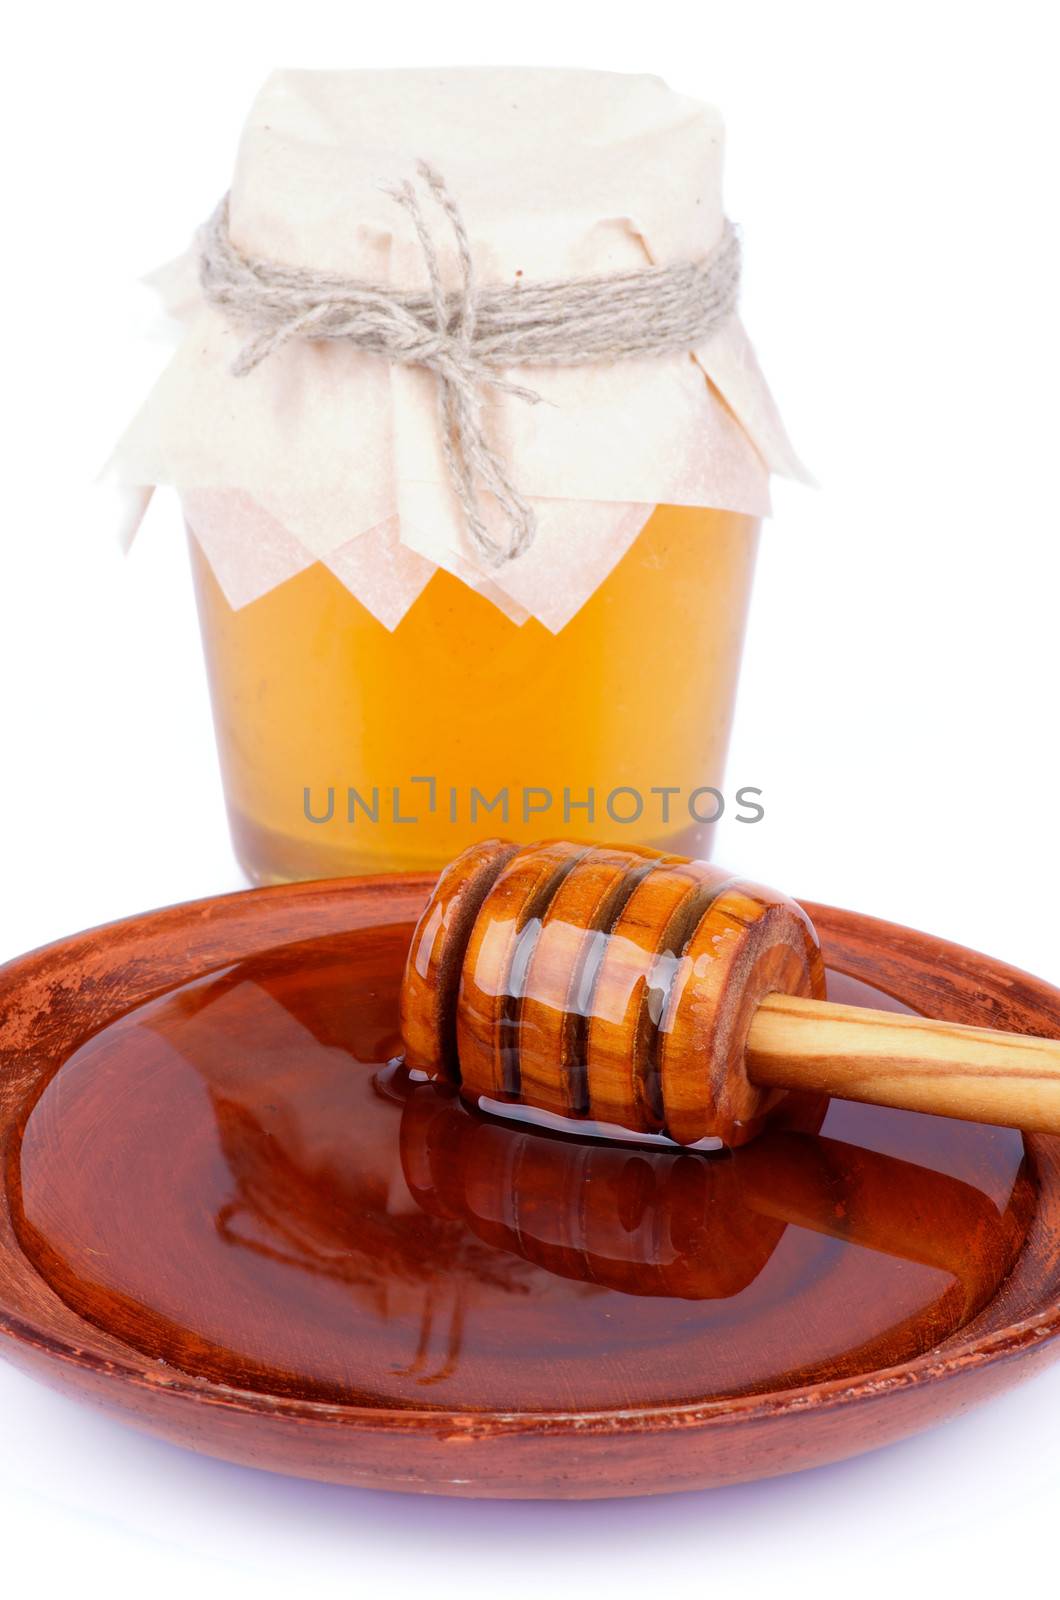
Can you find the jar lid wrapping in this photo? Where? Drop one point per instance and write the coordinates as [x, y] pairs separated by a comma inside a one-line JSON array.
[[324, 447]]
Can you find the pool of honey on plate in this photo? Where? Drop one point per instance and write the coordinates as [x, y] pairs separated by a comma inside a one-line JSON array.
[[237, 1180], [324, 717]]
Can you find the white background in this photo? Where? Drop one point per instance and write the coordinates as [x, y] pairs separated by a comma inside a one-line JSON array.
[[893, 168]]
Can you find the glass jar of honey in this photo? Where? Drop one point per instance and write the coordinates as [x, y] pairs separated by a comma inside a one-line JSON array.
[[384, 693], [347, 747]]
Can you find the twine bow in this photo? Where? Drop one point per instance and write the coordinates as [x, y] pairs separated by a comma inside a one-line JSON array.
[[468, 337]]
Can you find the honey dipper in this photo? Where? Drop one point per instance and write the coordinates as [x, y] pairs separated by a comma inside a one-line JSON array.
[[668, 996]]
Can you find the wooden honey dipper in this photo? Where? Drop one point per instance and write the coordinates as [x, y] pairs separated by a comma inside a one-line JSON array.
[[667, 996]]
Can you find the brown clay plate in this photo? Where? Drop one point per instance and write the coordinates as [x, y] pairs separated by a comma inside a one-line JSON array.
[[225, 1217]]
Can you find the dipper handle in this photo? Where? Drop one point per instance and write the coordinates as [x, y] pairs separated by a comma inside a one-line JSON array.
[[887, 1059]]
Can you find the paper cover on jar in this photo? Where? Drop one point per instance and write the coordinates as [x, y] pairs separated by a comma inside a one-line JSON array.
[[327, 453]]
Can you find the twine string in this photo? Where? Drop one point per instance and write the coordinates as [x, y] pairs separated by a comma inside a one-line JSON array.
[[469, 337]]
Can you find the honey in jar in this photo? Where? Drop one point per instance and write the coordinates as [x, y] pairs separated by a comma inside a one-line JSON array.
[[348, 748]]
